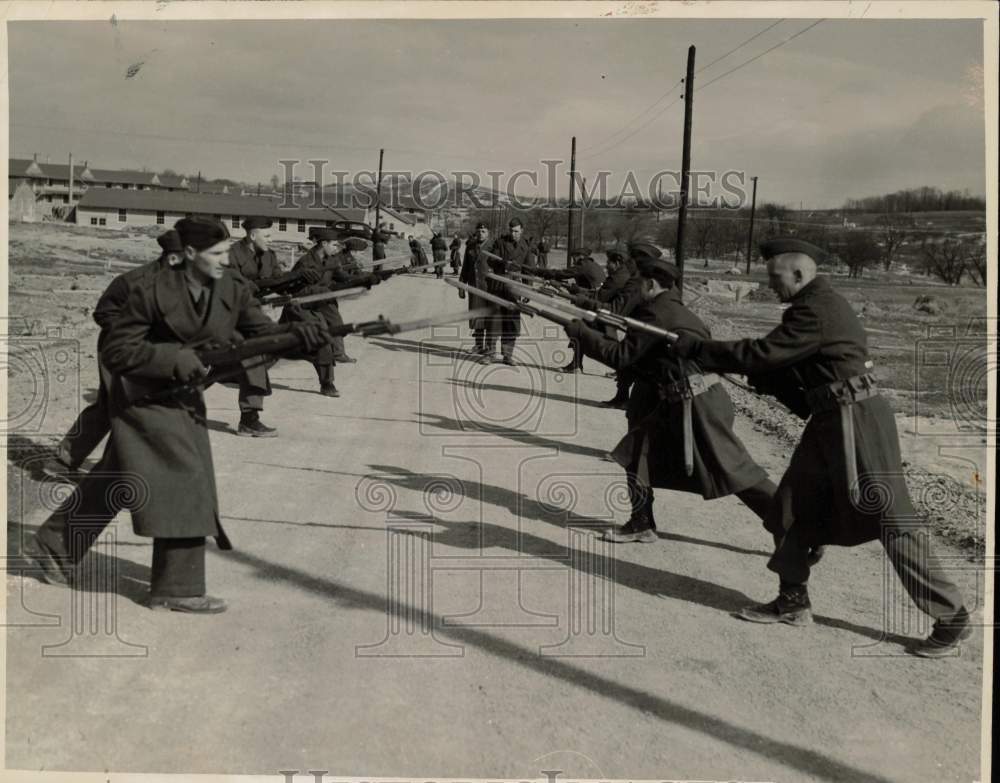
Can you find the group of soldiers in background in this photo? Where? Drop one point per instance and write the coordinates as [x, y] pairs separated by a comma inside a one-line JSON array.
[[679, 418]]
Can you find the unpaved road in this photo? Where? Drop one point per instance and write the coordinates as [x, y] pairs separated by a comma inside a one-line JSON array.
[[416, 590]]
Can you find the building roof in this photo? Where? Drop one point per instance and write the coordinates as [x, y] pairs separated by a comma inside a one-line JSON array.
[[210, 204], [123, 177]]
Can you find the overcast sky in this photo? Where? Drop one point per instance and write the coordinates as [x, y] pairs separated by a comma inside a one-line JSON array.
[[847, 109]]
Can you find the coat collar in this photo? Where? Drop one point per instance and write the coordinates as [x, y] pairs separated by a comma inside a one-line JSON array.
[[817, 285], [174, 301]]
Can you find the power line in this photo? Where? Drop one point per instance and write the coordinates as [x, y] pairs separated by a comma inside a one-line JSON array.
[[758, 56], [739, 46], [668, 93]]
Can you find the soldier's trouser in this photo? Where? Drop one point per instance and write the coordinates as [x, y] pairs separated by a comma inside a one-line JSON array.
[[178, 563], [576, 357], [330, 313], [908, 548], [758, 499], [90, 427], [506, 327], [641, 498], [439, 260]]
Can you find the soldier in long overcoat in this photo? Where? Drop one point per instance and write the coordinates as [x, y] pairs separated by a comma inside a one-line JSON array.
[[474, 271], [456, 255], [439, 249], [680, 418], [845, 484], [94, 421], [158, 462], [512, 254]]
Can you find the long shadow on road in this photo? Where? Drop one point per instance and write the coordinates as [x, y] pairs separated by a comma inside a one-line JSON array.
[[795, 757]]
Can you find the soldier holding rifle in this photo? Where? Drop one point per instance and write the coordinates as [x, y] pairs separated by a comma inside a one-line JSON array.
[[94, 423], [474, 271], [845, 483], [680, 418], [158, 461], [509, 252]]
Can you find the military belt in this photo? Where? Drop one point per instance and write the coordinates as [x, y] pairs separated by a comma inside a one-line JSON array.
[[684, 392], [841, 395]]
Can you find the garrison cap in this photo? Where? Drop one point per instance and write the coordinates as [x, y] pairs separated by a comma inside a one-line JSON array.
[[170, 241], [200, 232], [639, 250], [659, 270], [323, 234], [779, 245], [256, 222]]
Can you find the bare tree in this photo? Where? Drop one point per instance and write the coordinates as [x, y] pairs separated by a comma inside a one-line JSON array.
[[893, 232], [858, 250], [542, 220], [975, 262], [945, 259], [701, 233]]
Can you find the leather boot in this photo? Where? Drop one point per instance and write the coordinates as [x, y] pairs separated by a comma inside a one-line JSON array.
[[791, 607]]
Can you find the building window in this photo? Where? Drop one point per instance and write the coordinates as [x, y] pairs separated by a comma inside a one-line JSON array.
[[93, 221], [236, 221], [282, 224], [65, 199], [302, 226], [122, 215], [103, 221], [160, 218], [392, 226]]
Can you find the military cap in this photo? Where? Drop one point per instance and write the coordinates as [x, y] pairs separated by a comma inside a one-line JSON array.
[[257, 222], [323, 234], [355, 244], [779, 245], [480, 225], [201, 232], [657, 269], [615, 252], [170, 241], [514, 222], [638, 250]]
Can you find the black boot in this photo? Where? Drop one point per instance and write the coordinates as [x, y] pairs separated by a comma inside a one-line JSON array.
[[325, 374], [252, 427], [946, 637], [791, 607], [641, 527]]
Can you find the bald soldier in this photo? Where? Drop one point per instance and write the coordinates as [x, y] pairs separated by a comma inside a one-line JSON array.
[[845, 483], [680, 418]]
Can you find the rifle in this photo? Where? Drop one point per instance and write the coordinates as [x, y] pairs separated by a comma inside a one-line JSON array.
[[285, 342], [547, 286], [601, 316], [343, 291], [506, 304]]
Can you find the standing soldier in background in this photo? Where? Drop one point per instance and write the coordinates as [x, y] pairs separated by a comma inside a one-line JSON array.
[[845, 483], [543, 254], [439, 249], [150, 349], [680, 419], [418, 257], [94, 422], [253, 260], [505, 325], [456, 255], [474, 271], [378, 248]]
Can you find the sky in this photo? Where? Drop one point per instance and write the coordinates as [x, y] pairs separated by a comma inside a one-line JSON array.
[[847, 109]]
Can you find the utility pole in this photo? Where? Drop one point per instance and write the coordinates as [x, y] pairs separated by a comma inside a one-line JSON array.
[[572, 202], [198, 190], [378, 189], [685, 167], [753, 208], [70, 178], [583, 213]]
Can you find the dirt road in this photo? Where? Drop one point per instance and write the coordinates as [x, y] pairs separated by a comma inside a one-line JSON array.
[[417, 589]]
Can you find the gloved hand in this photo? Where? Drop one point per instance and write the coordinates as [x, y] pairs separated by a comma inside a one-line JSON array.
[[575, 328], [371, 280], [687, 346], [309, 334], [311, 275], [188, 367]]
